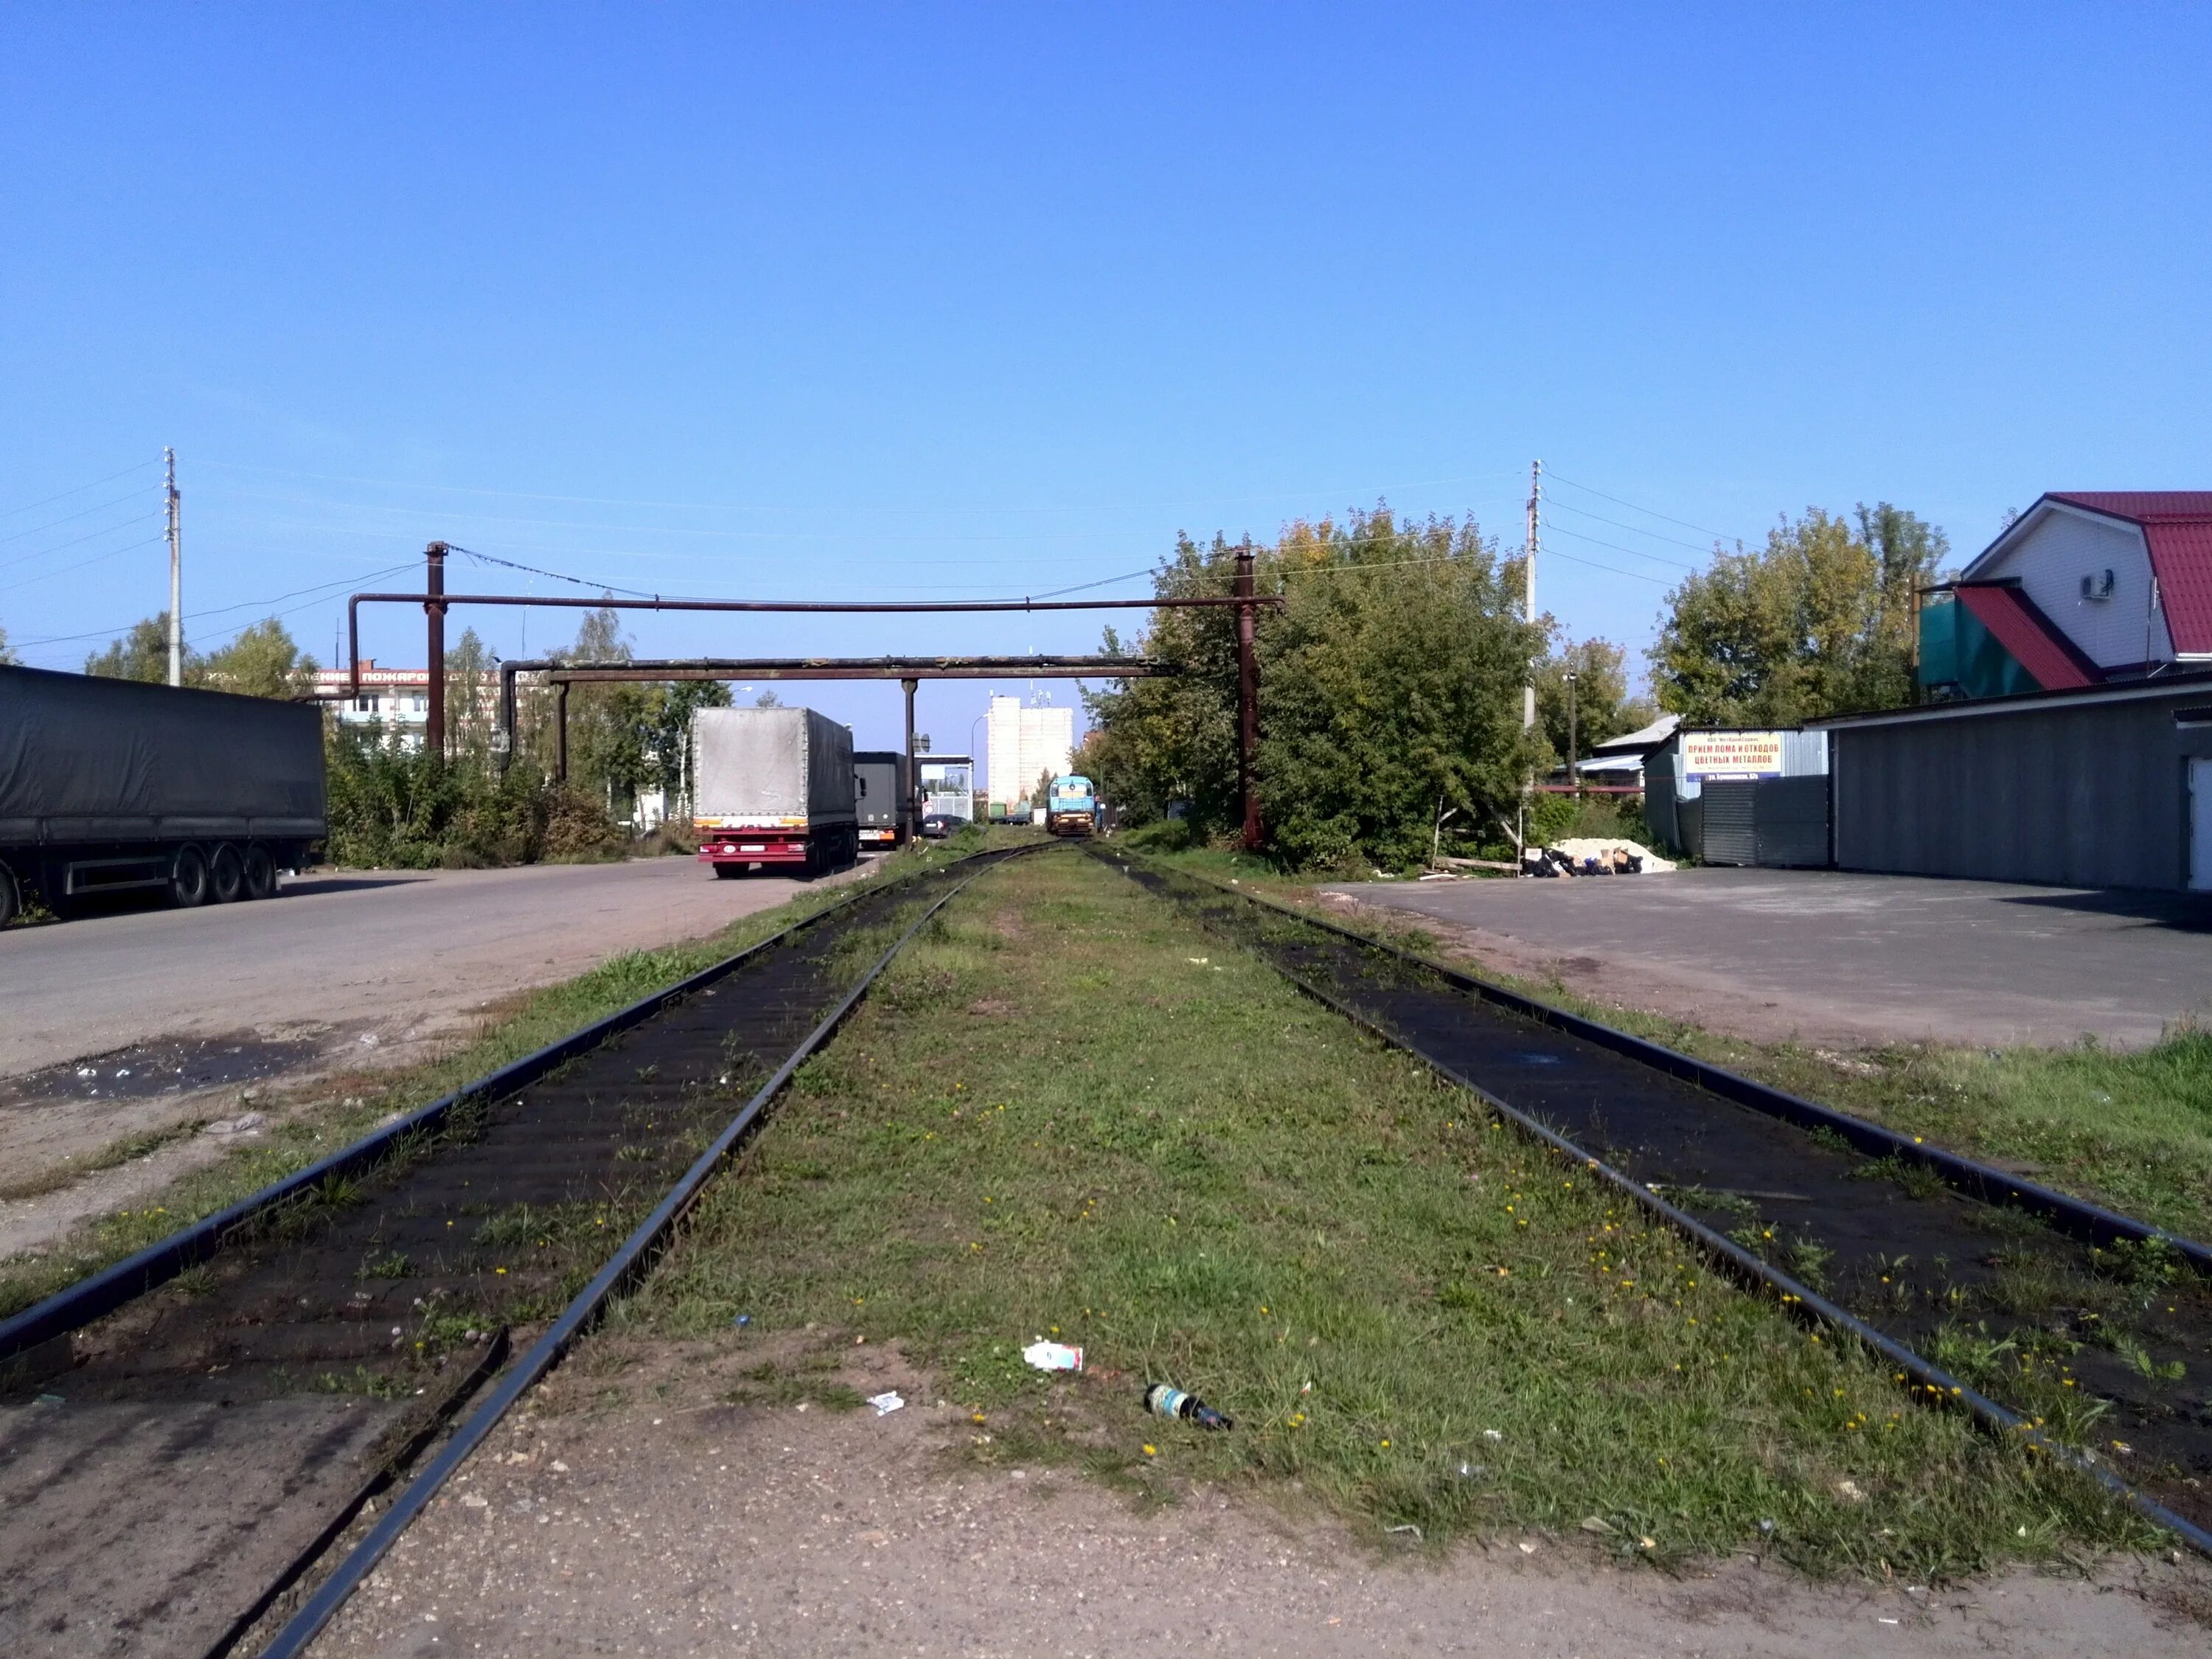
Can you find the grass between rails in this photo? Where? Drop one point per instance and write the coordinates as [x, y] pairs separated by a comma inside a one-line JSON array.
[[317, 1120], [2130, 1129], [1065, 1112]]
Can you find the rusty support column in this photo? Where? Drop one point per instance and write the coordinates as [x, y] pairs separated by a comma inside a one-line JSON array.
[[560, 731], [1248, 703], [909, 816], [434, 730]]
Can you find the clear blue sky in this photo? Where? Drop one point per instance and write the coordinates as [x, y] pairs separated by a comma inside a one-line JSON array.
[[846, 302]]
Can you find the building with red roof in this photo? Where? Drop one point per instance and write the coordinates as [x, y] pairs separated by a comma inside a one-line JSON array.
[[2085, 588]]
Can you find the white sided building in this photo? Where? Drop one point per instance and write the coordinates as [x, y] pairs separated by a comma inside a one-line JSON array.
[[1025, 743]]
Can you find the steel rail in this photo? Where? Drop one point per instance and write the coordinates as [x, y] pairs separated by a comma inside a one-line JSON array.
[[637, 1253], [123, 1282], [1935, 1385], [2076, 1217]]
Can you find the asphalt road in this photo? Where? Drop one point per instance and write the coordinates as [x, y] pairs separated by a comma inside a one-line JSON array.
[[1831, 955], [402, 958]]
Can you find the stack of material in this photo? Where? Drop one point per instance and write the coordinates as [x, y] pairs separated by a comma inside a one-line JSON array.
[[1592, 856]]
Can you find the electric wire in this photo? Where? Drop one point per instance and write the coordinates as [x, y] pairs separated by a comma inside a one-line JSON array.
[[725, 507], [1702, 530], [95, 535], [81, 564], [550, 575], [70, 518], [1633, 552], [1634, 529], [326, 588], [33, 506]]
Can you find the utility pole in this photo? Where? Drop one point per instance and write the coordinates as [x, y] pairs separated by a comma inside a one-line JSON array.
[[1528, 591], [434, 728], [1248, 703], [1528, 605], [176, 573], [909, 816], [1573, 776]]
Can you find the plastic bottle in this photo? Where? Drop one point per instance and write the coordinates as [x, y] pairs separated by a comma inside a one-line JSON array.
[[1164, 1399]]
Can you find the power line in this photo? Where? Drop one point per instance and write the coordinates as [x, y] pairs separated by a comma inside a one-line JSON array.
[[113, 552], [1104, 581], [41, 553], [724, 507], [551, 575], [32, 507], [325, 588], [68, 518], [1702, 530], [1634, 528], [1633, 552], [1638, 575]]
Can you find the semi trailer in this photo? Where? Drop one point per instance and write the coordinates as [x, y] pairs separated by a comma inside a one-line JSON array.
[[773, 789], [876, 786], [116, 787]]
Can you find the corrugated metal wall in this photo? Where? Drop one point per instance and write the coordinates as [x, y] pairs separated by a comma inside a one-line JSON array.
[[1791, 820], [1730, 831], [2088, 794]]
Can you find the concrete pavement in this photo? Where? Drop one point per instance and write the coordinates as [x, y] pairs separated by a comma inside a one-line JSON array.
[[1828, 956], [385, 953]]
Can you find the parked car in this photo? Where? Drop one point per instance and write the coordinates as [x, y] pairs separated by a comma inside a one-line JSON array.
[[936, 826]]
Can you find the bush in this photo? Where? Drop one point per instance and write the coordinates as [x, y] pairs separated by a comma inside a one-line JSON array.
[[399, 809]]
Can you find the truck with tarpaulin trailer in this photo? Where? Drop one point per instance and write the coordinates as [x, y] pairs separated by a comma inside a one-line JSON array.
[[1071, 806], [773, 789], [117, 786]]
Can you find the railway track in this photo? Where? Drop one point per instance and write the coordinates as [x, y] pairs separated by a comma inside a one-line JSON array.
[[2084, 1331], [186, 1436]]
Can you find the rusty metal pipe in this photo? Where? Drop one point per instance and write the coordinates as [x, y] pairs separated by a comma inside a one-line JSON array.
[[825, 607]]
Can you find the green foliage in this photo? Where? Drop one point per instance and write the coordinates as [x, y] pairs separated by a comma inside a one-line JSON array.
[[261, 660], [7, 656], [396, 808], [1600, 702], [141, 654], [1391, 692], [1818, 622]]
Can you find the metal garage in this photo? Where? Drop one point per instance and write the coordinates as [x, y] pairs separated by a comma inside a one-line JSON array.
[[2108, 785]]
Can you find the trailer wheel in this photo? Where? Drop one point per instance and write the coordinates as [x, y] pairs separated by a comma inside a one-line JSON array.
[[188, 878], [728, 871], [226, 874], [260, 871], [10, 905]]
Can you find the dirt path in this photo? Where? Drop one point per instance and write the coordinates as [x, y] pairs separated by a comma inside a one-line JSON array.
[[676, 1525]]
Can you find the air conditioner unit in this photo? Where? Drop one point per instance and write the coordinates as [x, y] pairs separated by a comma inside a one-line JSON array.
[[2097, 584]]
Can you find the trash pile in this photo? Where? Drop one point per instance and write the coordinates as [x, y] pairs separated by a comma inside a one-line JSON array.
[[1591, 856]]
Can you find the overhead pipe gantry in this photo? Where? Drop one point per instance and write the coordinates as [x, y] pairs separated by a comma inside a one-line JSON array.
[[435, 601]]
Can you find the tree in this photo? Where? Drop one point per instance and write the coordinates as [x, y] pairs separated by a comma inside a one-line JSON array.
[[1601, 706], [1817, 622], [1390, 692], [7, 657], [607, 725], [471, 681], [262, 660], [670, 716], [141, 654], [768, 699]]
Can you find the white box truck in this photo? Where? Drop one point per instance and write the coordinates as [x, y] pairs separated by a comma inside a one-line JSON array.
[[772, 789]]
